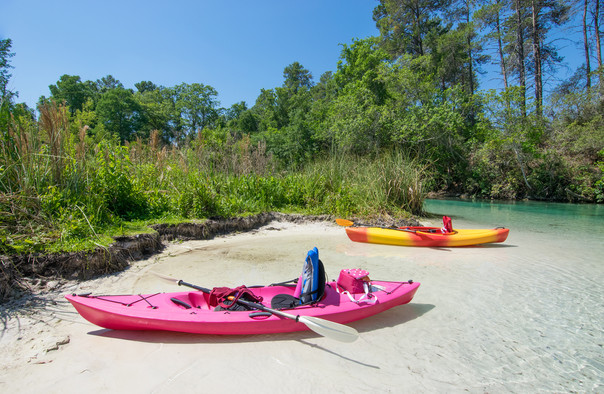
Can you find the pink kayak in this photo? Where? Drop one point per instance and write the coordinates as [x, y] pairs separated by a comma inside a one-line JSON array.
[[190, 311]]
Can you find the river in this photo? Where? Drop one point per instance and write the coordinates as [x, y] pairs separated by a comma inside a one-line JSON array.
[[535, 313]]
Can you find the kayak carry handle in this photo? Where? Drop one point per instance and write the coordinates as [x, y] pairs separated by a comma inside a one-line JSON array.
[[180, 302], [260, 314]]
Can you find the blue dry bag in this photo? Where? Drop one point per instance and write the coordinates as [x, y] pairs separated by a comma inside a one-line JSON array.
[[313, 278]]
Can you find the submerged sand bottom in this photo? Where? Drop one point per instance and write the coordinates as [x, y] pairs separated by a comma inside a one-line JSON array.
[[508, 317]]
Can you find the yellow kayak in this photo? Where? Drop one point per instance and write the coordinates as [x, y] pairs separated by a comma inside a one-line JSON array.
[[426, 236], [423, 236]]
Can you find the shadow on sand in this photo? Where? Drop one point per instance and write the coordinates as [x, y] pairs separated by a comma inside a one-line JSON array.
[[389, 318], [481, 246]]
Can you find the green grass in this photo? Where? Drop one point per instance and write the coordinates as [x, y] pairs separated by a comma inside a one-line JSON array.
[[97, 191]]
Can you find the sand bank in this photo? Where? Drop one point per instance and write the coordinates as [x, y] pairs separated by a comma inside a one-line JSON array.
[[479, 322]]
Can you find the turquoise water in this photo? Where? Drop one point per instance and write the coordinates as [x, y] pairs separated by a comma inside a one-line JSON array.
[[554, 218], [536, 300]]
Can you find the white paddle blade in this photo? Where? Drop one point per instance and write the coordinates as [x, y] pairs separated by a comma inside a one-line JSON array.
[[330, 329], [165, 277], [323, 327]]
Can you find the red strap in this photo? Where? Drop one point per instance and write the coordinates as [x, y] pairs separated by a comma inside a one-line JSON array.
[[220, 294], [447, 225]]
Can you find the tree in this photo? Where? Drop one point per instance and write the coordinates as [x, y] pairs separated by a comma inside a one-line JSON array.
[[247, 122], [462, 13], [265, 108], [406, 25], [544, 15], [598, 34], [297, 77], [198, 105], [107, 83], [326, 88], [5, 55], [586, 45], [592, 7], [71, 90], [169, 99], [6, 96], [491, 16], [526, 43], [241, 118], [416, 28], [145, 86], [156, 112], [281, 117], [520, 64], [120, 113], [360, 62], [355, 121], [323, 95], [512, 132], [235, 111], [451, 61]]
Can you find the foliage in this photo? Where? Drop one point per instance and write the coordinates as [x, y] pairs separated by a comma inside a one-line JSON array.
[[115, 185], [70, 90], [6, 95], [197, 105], [406, 27], [96, 187], [120, 113]]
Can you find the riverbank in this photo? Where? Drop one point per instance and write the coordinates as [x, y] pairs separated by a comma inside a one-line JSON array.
[[509, 317], [37, 273], [43, 336]]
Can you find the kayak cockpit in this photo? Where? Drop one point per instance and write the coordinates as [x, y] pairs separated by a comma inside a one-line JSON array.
[[201, 300]]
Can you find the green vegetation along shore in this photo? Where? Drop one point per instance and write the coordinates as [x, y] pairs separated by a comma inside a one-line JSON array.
[[66, 193]]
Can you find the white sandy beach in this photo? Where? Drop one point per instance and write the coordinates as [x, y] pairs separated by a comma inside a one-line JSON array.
[[496, 318]]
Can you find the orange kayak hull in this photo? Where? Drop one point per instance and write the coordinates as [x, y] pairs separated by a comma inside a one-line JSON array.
[[426, 236]]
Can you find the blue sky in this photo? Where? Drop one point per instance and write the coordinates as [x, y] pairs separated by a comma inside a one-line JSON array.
[[238, 47]]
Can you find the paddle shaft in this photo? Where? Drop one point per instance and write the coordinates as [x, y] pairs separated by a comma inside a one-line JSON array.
[[348, 223], [244, 302], [323, 327]]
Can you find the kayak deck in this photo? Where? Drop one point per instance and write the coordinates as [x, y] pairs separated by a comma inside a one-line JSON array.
[[191, 312]]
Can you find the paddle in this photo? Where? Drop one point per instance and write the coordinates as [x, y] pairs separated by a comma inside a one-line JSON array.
[[348, 223], [323, 327]]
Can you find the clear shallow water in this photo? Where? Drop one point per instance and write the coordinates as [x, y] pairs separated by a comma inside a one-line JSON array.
[[539, 297], [552, 218], [524, 316]]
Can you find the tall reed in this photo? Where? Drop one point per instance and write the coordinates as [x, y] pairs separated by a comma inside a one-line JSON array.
[[54, 121], [71, 189], [388, 182]]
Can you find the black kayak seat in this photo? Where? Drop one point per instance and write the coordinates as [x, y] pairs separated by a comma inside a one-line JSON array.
[[284, 301]]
